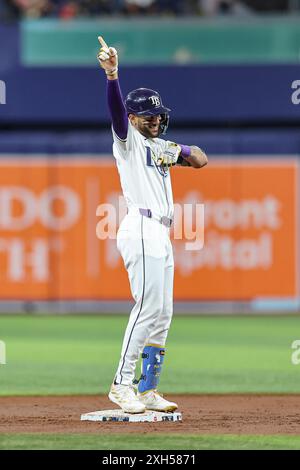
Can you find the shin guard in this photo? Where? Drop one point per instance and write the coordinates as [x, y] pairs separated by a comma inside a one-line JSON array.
[[152, 361]]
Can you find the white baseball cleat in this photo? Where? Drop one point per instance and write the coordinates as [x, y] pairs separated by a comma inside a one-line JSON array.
[[125, 397], [154, 401]]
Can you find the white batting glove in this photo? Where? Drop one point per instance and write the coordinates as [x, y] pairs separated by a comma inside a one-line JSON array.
[[170, 155], [107, 57]]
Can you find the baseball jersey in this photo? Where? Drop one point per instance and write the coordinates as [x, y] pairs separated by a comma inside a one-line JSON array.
[[144, 184]]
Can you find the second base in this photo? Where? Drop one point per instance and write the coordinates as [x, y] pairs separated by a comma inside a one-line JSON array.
[[120, 416]]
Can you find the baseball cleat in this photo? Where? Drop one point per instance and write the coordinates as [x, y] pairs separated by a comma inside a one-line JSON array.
[[155, 402], [125, 397]]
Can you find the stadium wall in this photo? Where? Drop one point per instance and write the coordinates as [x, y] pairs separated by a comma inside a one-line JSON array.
[[213, 93], [49, 218]]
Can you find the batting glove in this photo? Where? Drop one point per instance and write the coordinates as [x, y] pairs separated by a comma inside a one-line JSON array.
[[170, 155], [107, 57]]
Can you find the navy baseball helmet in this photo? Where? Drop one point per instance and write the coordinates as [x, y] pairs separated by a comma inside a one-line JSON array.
[[146, 102]]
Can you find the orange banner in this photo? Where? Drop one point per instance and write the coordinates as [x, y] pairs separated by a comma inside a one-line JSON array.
[[250, 231], [48, 221]]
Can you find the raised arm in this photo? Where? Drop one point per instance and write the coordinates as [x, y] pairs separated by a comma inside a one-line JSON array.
[[108, 59]]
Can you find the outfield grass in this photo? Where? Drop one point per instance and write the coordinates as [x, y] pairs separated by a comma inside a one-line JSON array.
[[151, 442], [79, 355]]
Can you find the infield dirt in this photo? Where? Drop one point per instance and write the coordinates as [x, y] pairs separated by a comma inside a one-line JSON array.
[[202, 414]]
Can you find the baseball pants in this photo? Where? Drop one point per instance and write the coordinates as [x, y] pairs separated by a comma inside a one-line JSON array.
[[147, 253]]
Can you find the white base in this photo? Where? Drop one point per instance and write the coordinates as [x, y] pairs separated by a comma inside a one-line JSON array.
[[121, 416]]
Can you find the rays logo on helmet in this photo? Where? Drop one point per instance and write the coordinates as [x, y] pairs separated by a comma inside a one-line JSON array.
[[155, 100]]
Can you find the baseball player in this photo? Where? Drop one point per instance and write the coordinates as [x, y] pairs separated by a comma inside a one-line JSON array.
[[144, 160]]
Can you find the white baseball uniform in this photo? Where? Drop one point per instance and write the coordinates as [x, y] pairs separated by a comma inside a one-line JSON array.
[[145, 246]]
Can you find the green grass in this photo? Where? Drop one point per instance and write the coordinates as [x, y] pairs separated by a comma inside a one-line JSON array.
[[79, 355], [149, 442]]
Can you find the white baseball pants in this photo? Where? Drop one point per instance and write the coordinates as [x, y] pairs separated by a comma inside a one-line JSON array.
[[147, 253]]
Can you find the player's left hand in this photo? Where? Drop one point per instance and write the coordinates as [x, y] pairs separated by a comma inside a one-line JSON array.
[[170, 155]]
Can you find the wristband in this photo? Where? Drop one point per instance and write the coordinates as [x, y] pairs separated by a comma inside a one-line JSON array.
[[185, 151], [111, 72]]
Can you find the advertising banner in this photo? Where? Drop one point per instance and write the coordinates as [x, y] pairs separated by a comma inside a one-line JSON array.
[[51, 210]]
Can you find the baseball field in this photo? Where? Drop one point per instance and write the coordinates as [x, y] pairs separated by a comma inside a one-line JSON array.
[[233, 378]]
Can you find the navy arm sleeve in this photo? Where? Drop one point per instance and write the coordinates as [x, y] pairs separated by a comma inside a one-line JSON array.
[[117, 108]]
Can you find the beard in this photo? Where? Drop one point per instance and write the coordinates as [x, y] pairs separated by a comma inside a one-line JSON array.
[[149, 131]]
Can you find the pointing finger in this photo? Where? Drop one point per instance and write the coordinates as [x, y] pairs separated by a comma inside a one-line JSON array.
[[102, 42]]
